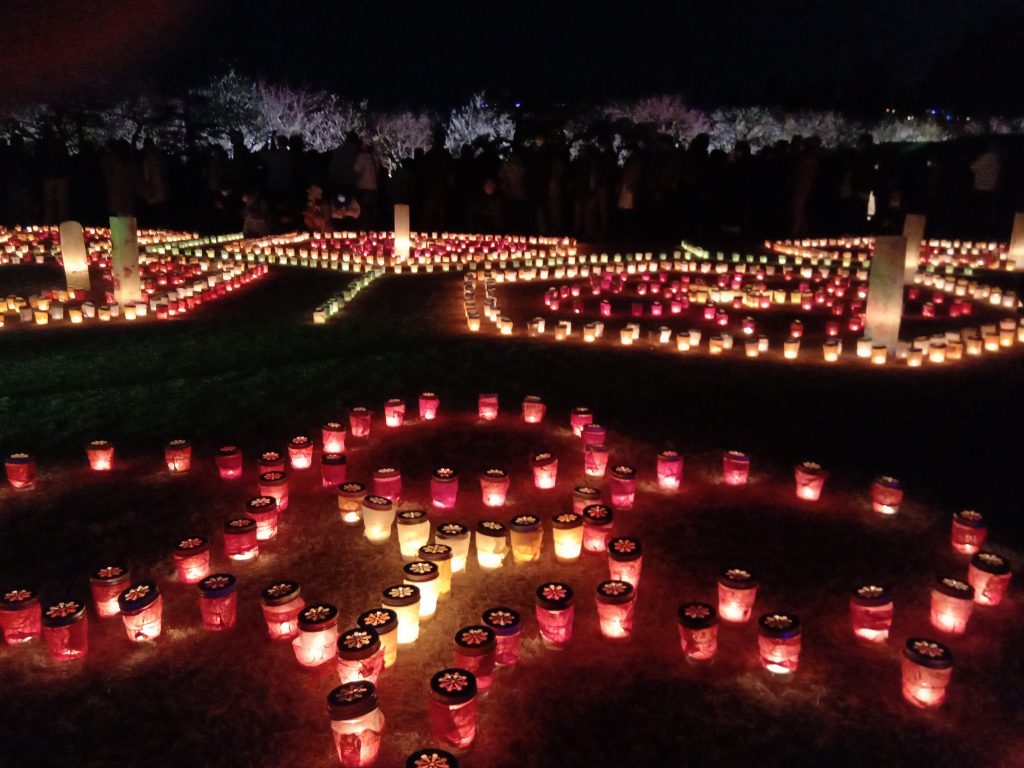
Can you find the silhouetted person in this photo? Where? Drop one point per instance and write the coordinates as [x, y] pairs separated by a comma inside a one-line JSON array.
[[55, 170], [121, 176]]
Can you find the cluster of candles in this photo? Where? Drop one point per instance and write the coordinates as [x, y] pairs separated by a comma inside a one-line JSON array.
[[934, 253], [37, 244]]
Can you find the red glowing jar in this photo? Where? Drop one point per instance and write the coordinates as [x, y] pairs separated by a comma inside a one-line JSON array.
[[394, 413], [453, 707], [796, 329], [487, 407], [384, 622], [429, 403], [952, 605], [192, 559], [583, 496], [871, 610], [494, 484], [595, 460], [969, 532], [779, 642], [623, 487], [360, 656], [275, 483], [332, 434], [359, 419], [533, 409], [698, 632], [508, 629], [240, 542], [989, 575], [594, 434], [263, 509], [670, 470], [317, 640], [300, 452], [737, 591], [810, 479], [65, 629], [579, 419], [598, 526], [735, 468], [444, 487], [545, 470], [886, 495], [456, 536], [476, 650], [350, 501], [332, 469], [282, 603], [101, 455], [387, 482], [270, 461], [21, 471], [142, 610], [106, 584], [605, 308], [555, 613], [616, 602], [636, 309], [357, 723], [20, 615], [229, 462], [625, 560], [178, 456], [218, 601], [926, 666]]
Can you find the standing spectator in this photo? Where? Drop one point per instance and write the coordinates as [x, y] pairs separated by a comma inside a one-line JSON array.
[[55, 169], [17, 164], [121, 177], [366, 169], [156, 192], [435, 185], [628, 201]]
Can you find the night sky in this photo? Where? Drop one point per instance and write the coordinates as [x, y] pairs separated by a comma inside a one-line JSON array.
[[859, 55]]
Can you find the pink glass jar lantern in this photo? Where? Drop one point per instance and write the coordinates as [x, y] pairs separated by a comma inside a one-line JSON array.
[[952, 605], [778, 643], [453, 707], [413, 532], [387, 482], [737, 591], [989, 575], [378, 518], [429, 404], [178, 456], [431, 757], [579, 418], [622, 488], [360, 655], [350, 502], [65, 629], [926, 666], [545, 470], [886, 495], [240, 540], [282, 603], [142, 609], [810, 479], [333, 469], [300, 453], [595, 460], [567, 535], [229, 462], [735, 468], [317, 640], [275, 483], [476, 650], [218, 601], [332, 435], [594, 434], [263, 509], [583, 496], [616, 601], [491, 544], [20, 615], [555, 612], [598, 525], [192, 559], [670, 470], [444, 487], [507, 626], [527, 538], [969, 532], [423, 574], [384, 622], [871, 611], [698, 632], [494, 484], [357, 723], [394, 413], [359, 421], [625, 560], [404, 600], [456, 536], [533, 409], [106, 583], [101, 455], [487, 407], [21, 471], [270, 461]]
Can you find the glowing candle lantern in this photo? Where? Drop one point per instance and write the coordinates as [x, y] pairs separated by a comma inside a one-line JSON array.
[[333, 469], [218, 601], [527, 538], [270, 461], [20, 615], [616, 602], [737, 591], [350, 501], [735, 468], [476, 651], [778, 642], [444, 487], [430, 757], [491, 544], [810, 479], [567, 533], [494, 484], [555, 612], [593, 434], [229, 462], [387, 482], [178, 456], [871, 610], [275, 483], [357, 723], [360, 655], [453, 707], [952, 605], [623, 486], [595, 460], [670, 470], [698, 632], [263, 509], [378, 517], [886, 495], [989, 575], [317, 640], [456, 536], [429, 403], [332, 435], [300, 452], [598, 526], [384, 622], [359, 419], [625, 560], [240, 541], [413, 531], [969, 532], [282, 603], [583, 496], [579, 418], [533, 409], [21, 471], [106, 583], [424, 575], [404, 600], [142, 609], [65, 630], [394, 413], [101, 455], [926, 666], [441, 556], [545, 469], [487, 407], [192, 559], [506, 624]]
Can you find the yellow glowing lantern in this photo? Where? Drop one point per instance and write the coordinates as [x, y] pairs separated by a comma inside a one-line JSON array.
[[527, 538], [404, 600], [424, 575], [567, 533], [350, 501], [413, 532]]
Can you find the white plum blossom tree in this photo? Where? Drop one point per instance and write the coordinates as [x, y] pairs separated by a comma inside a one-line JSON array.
[[668, 114], [756, 125], [478, 120], [397, 136], [321, 118]]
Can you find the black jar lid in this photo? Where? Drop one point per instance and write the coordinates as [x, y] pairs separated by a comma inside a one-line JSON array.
[[191, 546], [63, 613], [451, 530], [737, 578], [990, 562], [178, 444], [274, 477], [138, 597], [359, 410], [261, 505], [475, 640], [445, 475], [566, 520], [969, 518], [670, 456], [614, 592], [394, 401], [352, 700], [270, 457], [238, 526], [494, 473], [352, 489], [543, 459], [386, 473], [581, 410], [428, 395], [739, 456], [525, 523], [226, 451], [624, 472], [111, 573], [586, 492], [504, 621], [870, 593], [597, 514], [697, 615], [532, 399], [420, 570], [429, 757], [779, 625], [18, 597], [435, 552], [318, 616], [491, 528], [624, 549], [377, 502], [412, 517], [928, 653], [333, 459], [358, 643], [889, 482], [952, 587], [554, 596], [100, 445], [453, 685], [334, 426], [381, 620], [19, 457], [280, 592], [401, 595], [218, 585]]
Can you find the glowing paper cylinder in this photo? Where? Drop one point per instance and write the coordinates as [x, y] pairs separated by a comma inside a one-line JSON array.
[[453, 707], [300, 452], [487, 407], [430, 757], [106, 584], [625, 560], [579, 418], [359, 420], [494, 484], [357, 723], [423, 574], [698, 632], [778, 642], [595, 460], [989, 576], [507, 626], [275, 484], [969, 532], [533, 409], [594, 434], [240, 541], [74, 256], [101, 455], [616, 601], [952, 605], [491, 544], [333, 469], [384, 622], [270, 461], [545, 470], [622, 487], [737, 591], [926, 666], [192, 559], [178, 456], [527, 538], [65, 630], [476, 651], [350, 501], [378, 517], [404, 600], [886, 495], [387, 482], [332, 435], [567, 533], [444, 487], [871, 610], [598, 526], [282, 603], [360, 655], [263, 509], [218, 601], [21, 471], [429, 404], [441, 556], [810, 479], [413, 531], [670, 470], [317, 640], [20, 615], [456, 536], [555, 613], [229, 462], [142, 611], [583, 496], [394, 413], [735, 468]]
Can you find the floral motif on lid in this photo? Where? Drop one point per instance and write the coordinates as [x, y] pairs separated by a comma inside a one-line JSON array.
[[525, 520], [615, 588], [738, 574], [228, 449], [137, 592], [810, 466], [737, 455], [475, 636], [99, 444], [377, 618], [280, 589], [495, 472], [352, 693], [586, 490], [421, 567], [870, 590], [261, 501], [453, 682], [357, 639], [217, 582], [300, 440], [318, 613], [19, 456], [970, 514], [553, 592], [444, 473], [270, 456], [427, 394], [178, 442], [492, 525], [929, 648], [401, 592], [383, 500], [453, 529], [358, 409], [887, 480], [353, 487], [669, 454], [272, 476], [567, 517], [697, 611], [334, 425], [624, 546], [386, 471], [191, 543], [542, 456], [62, 609], [241, 522], [624, 469], [597, 513], [412, 514], [501, 618], [431, 760], [109, 572], [956, 584], [18, 595], [777, 621]]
